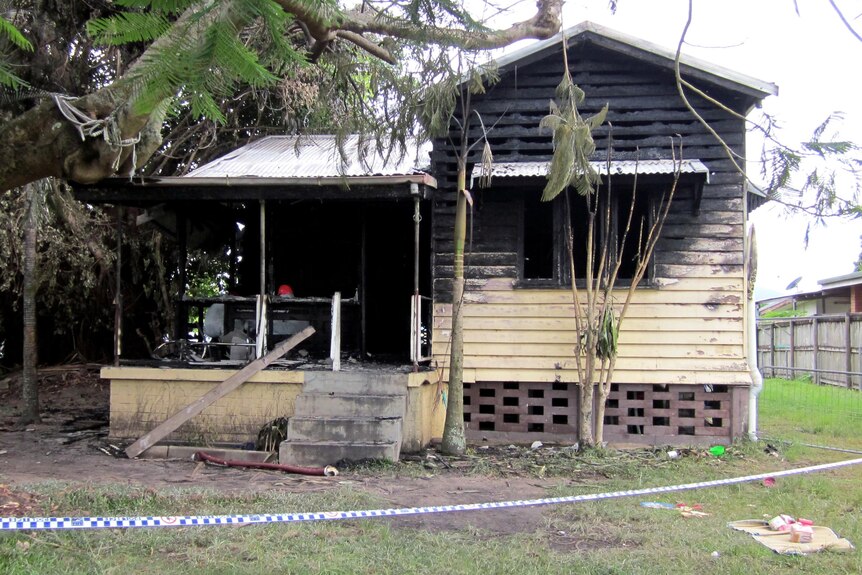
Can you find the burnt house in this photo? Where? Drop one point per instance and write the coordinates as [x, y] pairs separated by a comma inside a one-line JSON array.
[[380, 240], [682, 372]]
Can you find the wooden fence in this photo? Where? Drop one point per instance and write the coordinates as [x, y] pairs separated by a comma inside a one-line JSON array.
[[828, 348]]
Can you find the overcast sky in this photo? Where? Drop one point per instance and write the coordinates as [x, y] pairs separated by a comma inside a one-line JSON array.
[[807, 56]]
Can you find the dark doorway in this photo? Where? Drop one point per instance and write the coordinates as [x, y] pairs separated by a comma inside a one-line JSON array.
[[363, 249], [389, 256]]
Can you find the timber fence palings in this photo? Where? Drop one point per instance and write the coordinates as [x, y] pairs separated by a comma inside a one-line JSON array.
[[828, 348]]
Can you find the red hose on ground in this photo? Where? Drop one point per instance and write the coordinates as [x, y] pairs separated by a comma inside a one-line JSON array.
[[328, 471]]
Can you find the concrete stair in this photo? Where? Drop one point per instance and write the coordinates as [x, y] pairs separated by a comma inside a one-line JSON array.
[[353, 416]]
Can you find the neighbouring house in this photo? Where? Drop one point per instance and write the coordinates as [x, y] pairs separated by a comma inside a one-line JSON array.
[[376, 234], [847, 291], [815, 334], [837, 295]]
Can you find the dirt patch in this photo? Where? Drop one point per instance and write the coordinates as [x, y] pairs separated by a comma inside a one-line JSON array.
[[69, 446], [17, 503]]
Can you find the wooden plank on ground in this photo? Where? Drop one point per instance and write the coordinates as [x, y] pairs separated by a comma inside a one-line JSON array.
[[216, 393]]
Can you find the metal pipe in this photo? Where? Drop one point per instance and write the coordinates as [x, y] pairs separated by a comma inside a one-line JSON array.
[[751, 333], [328, 471]]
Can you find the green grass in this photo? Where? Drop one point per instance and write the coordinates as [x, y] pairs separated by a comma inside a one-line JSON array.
[[801, 411], [608, 537]]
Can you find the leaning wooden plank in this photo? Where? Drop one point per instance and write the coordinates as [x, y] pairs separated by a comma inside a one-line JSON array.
[[222, 389]]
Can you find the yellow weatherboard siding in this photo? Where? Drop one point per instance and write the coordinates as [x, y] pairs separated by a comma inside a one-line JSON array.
[[689, 330]]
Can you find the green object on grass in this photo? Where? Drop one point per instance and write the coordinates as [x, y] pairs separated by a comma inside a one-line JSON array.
[[717, 450]]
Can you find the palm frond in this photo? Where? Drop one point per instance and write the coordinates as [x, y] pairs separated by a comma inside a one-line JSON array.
[[11, 33], [128, 27], [573, 142], [9, 80], [164, 6]]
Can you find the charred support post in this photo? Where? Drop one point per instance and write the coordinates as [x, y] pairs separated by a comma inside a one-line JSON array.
[[118, 299], [181, 328], [363, 265], [262, 247], [416, 308], [260, 308], [233, 260]]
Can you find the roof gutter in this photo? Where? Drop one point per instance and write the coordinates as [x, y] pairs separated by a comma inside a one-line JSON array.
[[191, 181]]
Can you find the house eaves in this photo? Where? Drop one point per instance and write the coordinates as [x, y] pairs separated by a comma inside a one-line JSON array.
[[845, 280], [638, 48]]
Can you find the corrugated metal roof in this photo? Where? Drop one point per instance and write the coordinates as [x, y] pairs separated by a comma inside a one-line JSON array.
[[842, 280], [669, 56], [540, 169], [314, 157]]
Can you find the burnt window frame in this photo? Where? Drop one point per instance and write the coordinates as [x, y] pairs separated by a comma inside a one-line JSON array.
[[648, 191]]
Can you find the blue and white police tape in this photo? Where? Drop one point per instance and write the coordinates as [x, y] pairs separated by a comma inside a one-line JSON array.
[[52, 523]]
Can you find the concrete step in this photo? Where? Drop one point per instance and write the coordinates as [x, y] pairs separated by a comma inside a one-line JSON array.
[[361, 429], [360, 383], [350, 405], [321, 453]]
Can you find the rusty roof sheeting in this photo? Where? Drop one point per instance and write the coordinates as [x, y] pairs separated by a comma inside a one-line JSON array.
[[316, 156], [626, 167]]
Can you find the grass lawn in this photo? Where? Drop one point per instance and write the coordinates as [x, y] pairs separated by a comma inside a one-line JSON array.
[[818, 414], [608, 537]]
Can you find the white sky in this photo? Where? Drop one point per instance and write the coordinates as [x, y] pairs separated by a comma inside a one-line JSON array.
[[812, 58]]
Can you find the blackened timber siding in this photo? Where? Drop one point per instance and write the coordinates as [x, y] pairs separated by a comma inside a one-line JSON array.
[[687, 325]]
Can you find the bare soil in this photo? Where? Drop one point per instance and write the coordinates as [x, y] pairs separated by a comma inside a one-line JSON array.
[[70, 446]]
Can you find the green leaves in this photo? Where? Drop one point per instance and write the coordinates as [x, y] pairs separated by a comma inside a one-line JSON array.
[[203, 55], [606, 344], [9, 32], [128, 27]]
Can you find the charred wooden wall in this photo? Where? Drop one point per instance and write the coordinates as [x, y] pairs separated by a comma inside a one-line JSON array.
[[645, 113]]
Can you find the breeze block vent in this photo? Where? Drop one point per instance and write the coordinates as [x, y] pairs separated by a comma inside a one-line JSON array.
[[635, 413]]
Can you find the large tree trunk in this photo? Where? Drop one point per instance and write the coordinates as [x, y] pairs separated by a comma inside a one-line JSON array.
[[30, 380], [454, 441], [587, 387], [41, 143]]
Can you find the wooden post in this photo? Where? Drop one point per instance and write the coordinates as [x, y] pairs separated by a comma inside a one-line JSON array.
[[262, 247], [415, 319], [792, 359], [118, 303], [181, 330], [772, 348], [859, 344], [848, 352], [262, 325], [363, 284], [335, 336], [213, 395], [815, 340], [231, 282]]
